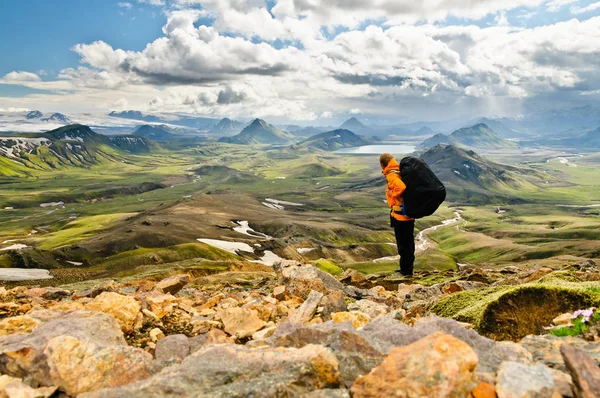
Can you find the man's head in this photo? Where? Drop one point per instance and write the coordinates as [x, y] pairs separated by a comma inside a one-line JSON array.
[[384, 159]]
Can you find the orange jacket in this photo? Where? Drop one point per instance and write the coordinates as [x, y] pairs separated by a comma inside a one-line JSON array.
[[395, 189]]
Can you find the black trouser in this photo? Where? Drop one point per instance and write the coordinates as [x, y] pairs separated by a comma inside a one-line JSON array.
[[405, 239]]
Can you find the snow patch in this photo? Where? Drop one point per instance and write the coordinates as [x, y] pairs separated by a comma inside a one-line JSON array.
[[16, 246], [304, 250], [23, 274], [231, 247], [244, 228]]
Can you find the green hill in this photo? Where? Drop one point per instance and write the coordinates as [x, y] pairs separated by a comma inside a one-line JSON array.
[[334, 140], [69, 146], [135, 144], [260, 132], [468, 175]]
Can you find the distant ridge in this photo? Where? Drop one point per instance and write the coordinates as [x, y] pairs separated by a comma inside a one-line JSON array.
[[333, 140], [477, 136], [354, 125], [260, 132]]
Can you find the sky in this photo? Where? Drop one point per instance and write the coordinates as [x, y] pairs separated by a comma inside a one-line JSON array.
[[306, 61]]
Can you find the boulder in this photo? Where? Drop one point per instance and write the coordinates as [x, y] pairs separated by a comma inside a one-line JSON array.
[[517, 380], [484, 390], [280, 292], [241, 322], [234, 370], [436, 366], [123, 308], [334, 301], [161, 304], [301, 279], [584, 371], [174, 348], [77, 351], [173, 284]]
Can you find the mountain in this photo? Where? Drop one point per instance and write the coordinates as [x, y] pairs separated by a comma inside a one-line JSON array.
[[57, 118], [194, 122], [591, 139], [134, 144], [226, 126], [477, 136], [226, 175], [260, 132], [468, 175], [333, 140], [424, 131], [354, 125], [69, 146], [156, 132], [499, 128], [34, 115], [306, 132], [438, 139]]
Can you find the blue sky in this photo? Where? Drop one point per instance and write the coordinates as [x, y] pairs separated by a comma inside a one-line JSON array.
[[226, 58]]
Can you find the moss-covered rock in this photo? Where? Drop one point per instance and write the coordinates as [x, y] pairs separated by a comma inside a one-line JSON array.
[[513, 312]]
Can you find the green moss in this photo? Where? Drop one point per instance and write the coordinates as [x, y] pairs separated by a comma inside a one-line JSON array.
[[328, 266], [512, 312]]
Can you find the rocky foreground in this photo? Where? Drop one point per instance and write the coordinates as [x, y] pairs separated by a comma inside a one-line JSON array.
[[302, 332]]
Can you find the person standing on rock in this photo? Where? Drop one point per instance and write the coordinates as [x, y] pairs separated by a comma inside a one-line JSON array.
[[404, 226]]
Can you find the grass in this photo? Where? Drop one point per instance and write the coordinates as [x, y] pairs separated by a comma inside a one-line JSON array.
[[328, 266]]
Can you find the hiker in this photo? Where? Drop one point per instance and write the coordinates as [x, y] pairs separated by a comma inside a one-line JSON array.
[[403, 225]]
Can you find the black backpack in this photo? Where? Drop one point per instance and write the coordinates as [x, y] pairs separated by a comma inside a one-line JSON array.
[[424, 191]]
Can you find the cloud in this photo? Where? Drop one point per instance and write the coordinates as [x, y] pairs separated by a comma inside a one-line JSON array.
[[582, 10], [354, 111], [326, 115], [556, 5], [152, 2], [20, 77], [14, 110], [231, 96], [125, 5]]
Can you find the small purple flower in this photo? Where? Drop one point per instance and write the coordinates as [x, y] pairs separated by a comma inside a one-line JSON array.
[[585, 314]]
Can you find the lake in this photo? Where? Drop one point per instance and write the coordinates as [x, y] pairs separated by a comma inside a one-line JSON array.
[[393, 148]]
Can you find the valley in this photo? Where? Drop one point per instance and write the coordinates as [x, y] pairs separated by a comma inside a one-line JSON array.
[[132, 205]]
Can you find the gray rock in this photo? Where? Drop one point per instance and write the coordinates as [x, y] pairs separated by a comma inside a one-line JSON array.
[[369, 307], [173, 348], [328, 393], [173, 284], [386, 333], [236, 371], [546, 349], [300, 279], [516, 380], [78, 351], [584, 372], [307, 310]]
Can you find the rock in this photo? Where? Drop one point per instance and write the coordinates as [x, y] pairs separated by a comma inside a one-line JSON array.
[[18, 325], [279, 293], [459, 286], [301, 279], [334, 301], [328, 393], [17, 389], [436, 366], [174, 348], [546, 349], [77, 351], [563, 319], [584, 372], [173, 284], [355, 355], [161, 304], [537, 275], [307, 310], [484, 390], [352, 277], [264, 334], [563, 383], [516, 380], [241, 322], [491, 354], [156, 334], [511, 269], [234, 370], [123, 308], [371, 308], [357, 318]]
